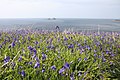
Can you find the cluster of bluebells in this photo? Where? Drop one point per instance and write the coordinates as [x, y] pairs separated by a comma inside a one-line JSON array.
[[37, 54]]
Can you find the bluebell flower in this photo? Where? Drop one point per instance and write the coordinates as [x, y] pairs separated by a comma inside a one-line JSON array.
[[107, 52], [20, 58], [43, 70], [82, 78], [79, 45], [88, 47], [79, 59], [98, 43], [12, 44], [34, 55], [53, 67], [66, 65], [20, 67], [30, 63], [37, 65], [95, 51], [70, 46], [100, 48], [6, 59], [95, 55], [85, 59], [29, 38], [65, 39], [94, 60], [81, 52], [44, 56], [37, 59], [30, 48], [111, 63], [72, 76], [79, 73], [49, 47], [36, 42], [35, 51], [61, 70], [23, 73], [52, 46], [103, 59], [13, 65], [112, 54], [0, 46]]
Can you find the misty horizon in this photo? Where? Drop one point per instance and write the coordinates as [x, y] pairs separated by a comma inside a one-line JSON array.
[[88, 9]]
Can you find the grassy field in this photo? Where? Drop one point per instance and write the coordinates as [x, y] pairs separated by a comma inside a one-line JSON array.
[[43, 55]]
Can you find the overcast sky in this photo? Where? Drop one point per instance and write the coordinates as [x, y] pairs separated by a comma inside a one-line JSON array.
[[60, 8]]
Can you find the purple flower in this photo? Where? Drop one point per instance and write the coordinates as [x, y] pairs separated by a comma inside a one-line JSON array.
[[70, 46], [94, 60], [52, 46], [6, 59], [72, 76], [13, 65], [67, 65], [20, 58], [79, 45], [95, 51], [0, 46], [29, 38], [79, 59], [95, 55], [30, 63], [107, 52], [111, 63], [53, 67], [36, 42], [35, 51], [98, 43], [22, 73], [43, 70], [44, 56], [112, 54], [88, 47], [61, 70], [20, 67], [34, 55], [13, 44], [85, 59], [100, 48], [30, 48], [103, 59], [37, 59], [79, 73], [65, 39], [37, 65], [49, 47]]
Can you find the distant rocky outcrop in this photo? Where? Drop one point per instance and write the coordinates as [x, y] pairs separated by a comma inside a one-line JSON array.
[[51, 18]]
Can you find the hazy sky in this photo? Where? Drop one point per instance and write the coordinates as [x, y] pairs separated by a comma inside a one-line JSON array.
[[60, 8]]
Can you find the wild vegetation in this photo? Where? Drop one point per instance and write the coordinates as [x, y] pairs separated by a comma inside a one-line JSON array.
[[44, 55]]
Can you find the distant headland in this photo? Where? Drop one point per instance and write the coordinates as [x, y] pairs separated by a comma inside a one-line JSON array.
[[116, 20]]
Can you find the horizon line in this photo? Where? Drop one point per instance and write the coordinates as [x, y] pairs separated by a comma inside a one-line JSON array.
[[53, 17]]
